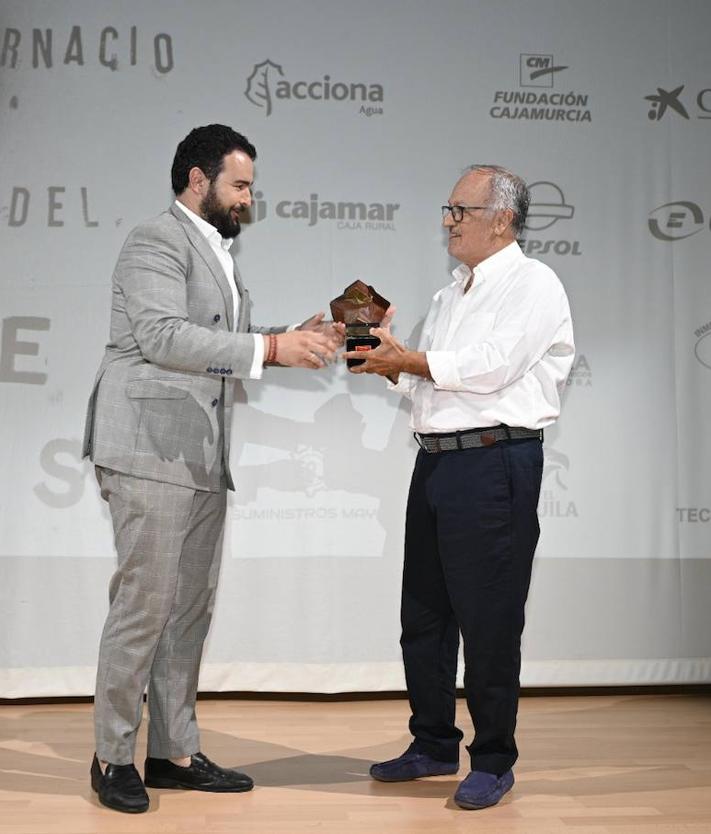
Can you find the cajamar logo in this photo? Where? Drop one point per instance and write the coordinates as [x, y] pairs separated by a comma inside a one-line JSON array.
[[347, 214]]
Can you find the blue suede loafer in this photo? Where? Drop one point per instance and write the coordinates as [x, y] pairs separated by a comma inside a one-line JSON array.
[[411, 765], [481, 790]]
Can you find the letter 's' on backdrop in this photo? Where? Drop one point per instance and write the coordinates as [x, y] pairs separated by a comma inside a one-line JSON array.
[[364, 115]]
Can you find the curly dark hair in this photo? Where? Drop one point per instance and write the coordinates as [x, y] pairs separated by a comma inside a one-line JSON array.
[[205, 148]]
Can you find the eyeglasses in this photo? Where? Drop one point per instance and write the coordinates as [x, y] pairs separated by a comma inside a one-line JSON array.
[[457, 212]]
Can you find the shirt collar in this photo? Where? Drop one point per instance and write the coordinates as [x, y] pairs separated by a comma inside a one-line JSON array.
[[491, 267], [207, 229]]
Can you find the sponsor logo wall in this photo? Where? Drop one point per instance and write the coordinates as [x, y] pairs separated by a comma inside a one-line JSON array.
[[360, 139]]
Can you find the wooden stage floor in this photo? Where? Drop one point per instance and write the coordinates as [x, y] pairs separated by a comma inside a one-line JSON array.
[[632, 764]]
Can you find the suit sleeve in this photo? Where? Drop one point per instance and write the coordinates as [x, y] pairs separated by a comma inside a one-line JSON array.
[[151, 281]]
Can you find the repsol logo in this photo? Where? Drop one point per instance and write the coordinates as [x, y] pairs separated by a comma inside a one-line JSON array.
[[548, 206], [113, 48], [268, 83]]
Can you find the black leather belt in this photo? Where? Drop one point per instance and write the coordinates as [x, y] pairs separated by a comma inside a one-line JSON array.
[[473, 438]]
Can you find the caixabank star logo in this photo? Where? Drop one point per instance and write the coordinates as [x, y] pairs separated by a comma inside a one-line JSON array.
[[268, 84], [670, 102]]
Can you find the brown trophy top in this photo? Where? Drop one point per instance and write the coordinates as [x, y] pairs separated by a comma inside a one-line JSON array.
[[360, 303]]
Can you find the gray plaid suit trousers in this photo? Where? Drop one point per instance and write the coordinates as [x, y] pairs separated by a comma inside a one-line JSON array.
[[168, 540]]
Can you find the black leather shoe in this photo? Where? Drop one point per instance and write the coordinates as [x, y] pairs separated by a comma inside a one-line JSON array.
[[200, 775], [119, 787]]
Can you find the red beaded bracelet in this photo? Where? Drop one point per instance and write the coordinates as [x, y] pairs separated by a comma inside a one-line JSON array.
[[272, 351]]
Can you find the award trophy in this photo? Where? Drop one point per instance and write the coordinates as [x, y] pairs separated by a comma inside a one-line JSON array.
[[360, 308]]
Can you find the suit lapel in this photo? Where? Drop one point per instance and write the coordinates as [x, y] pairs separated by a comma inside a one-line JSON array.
[[197, 239]]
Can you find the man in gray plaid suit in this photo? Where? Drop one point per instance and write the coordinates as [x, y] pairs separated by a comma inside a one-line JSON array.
[[158, 431]]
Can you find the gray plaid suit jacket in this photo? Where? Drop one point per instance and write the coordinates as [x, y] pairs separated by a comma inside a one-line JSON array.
[[162, 398]]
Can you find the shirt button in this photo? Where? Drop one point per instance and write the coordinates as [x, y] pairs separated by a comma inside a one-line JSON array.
[[214, 403], [216, 317]]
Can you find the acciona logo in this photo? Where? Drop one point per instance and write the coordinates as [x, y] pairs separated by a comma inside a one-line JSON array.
[[268, 83]]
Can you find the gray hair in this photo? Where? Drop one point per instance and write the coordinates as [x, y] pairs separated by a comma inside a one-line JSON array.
[[508, 191]]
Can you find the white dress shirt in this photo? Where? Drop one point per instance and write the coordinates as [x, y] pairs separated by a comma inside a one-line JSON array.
[[499, 353], [221, 247]]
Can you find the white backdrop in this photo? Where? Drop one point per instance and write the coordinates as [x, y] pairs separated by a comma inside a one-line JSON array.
[[364, 114]]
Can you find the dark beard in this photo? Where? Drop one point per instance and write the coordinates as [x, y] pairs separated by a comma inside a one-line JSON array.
[[218, 216]]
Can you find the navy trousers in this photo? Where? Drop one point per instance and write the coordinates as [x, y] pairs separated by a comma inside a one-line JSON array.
[[471, 532]]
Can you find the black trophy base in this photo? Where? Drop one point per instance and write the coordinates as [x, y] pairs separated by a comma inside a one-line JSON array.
[[358, 338]]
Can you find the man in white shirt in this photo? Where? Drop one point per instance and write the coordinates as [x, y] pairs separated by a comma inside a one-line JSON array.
[[496, 348], [158, 431]]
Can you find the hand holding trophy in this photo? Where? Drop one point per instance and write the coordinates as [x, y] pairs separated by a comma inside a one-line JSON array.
[[360, 308]]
